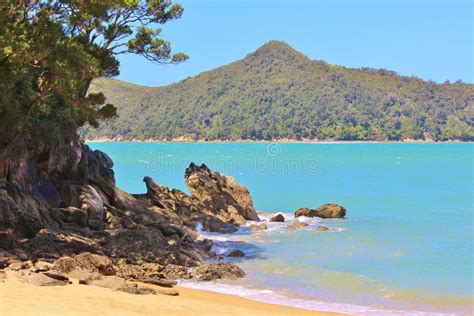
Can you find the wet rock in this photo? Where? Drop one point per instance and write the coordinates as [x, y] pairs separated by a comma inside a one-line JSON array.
[[278, 218], [214, 271], [322, 228], [304, 211], [236, 253], [329, 210], [297, 225], [212, 224], [220, 193], [257, 227]]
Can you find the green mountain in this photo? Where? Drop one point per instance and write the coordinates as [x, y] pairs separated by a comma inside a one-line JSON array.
[[279, 93]]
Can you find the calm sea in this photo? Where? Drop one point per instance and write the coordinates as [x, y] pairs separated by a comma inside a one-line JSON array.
[[405, 246]]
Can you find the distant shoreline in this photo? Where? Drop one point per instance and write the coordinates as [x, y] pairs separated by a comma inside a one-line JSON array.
[[305, 141]]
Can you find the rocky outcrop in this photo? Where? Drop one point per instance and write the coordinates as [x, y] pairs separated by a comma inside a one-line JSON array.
[[277, 218], [329, 210], [64, 208], [220, 194]]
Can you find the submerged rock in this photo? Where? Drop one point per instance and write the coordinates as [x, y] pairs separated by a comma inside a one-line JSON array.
[[278, 218], [297, 225], [322, 228], [329, 210], [236, 253], [257, 227]]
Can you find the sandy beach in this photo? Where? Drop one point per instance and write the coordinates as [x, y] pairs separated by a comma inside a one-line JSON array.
[[17, 298]]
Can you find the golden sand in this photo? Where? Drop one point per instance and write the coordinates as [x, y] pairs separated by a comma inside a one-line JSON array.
[[18, 298]]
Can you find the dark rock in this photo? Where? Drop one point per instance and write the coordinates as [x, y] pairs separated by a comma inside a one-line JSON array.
[[214, 271], [278, 218], [236, 253], [70, 215]]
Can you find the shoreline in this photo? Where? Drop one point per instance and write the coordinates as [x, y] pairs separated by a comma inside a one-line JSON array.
[[18, 298], [282, 141]]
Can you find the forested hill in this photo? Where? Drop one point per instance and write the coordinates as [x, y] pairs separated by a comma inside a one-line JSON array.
[[279, 93]]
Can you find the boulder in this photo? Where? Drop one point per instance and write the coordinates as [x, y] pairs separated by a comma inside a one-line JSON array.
[[219, 193], [257, 227], [297, 225], [214, 271], [329, 210], [303, 211], [277, 218]]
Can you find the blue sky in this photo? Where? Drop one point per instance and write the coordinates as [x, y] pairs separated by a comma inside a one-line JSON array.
[[428, 39]]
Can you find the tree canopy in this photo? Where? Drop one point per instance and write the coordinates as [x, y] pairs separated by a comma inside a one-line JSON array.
[[50, 51]]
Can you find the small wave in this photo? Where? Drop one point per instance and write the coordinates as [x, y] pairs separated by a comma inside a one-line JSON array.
[[144, 161], [269, 296]]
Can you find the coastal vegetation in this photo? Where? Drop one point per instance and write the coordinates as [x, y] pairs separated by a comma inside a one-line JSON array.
[[50, 51], [278, 93]]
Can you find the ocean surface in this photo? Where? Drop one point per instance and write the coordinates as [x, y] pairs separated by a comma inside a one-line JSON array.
[[406, 246]]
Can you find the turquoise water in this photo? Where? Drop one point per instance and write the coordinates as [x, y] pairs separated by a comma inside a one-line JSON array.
[[407, 242]]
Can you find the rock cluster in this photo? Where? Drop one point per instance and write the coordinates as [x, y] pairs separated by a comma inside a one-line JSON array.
[[63, 207], [329, 210]]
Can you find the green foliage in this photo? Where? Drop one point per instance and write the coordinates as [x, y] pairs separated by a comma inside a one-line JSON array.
[[50, 51], [277, 93]]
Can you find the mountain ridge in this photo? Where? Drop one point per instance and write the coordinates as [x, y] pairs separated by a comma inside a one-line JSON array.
[[277, 92]]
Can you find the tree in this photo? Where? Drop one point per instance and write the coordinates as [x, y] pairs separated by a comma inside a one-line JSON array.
[[50, 51]]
